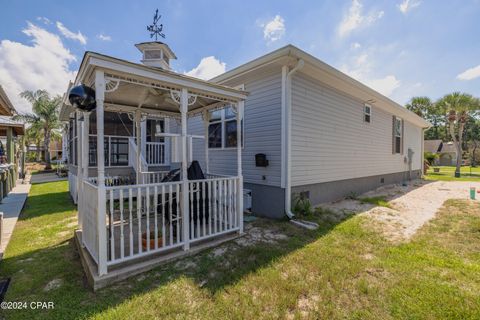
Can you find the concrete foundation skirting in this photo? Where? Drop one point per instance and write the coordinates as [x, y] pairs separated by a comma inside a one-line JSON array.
[[132, 268], [335, 190]]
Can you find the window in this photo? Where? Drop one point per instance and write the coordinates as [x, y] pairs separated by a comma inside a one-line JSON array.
[[152, 54], [222, 130], [397, 135], [367, 113], [118, 151]]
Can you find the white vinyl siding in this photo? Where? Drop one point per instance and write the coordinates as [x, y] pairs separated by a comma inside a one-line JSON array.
[[262, 127], [330, 143]]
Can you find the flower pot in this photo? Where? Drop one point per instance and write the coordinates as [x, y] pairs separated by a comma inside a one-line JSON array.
[[151, 245]]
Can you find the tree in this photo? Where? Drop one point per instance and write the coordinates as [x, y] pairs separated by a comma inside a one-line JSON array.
[[34, 135], [472, 138], [45, 116], [431, 112], [459, 107]]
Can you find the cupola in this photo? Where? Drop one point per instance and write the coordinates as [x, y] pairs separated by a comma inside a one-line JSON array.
[[156, 54]]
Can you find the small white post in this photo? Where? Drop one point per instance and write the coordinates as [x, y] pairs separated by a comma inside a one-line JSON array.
[[206, 121], [185, 191], [138, 131], [102, 210], [240, 106]]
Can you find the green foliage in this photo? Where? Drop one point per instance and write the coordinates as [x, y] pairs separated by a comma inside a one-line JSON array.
[[431, 157], [380, 201], [352, 195], [302, 205]]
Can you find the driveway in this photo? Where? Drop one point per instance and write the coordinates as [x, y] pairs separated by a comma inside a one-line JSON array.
[[411, 206]]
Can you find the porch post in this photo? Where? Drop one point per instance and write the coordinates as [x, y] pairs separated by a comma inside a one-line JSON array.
[[10, 145], [206, 120], [83, 162], [138, 130], [101, 223], [78, 155], [240, 107], [185, 190]]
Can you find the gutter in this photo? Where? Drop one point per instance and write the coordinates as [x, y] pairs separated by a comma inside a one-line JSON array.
[[287, 95]]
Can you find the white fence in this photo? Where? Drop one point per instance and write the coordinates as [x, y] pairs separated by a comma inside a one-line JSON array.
[[88, 209]]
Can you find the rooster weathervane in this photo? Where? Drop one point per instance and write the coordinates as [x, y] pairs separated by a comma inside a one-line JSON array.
[[154, 28]]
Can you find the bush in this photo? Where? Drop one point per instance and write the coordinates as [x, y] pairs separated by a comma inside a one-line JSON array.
[[302, 205], [431, 157]]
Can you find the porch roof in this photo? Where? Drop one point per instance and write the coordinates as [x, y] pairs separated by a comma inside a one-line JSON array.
[[6, 121], [130, 86]]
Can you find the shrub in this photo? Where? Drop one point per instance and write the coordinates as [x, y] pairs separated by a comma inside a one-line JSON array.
[[430, 157], [302, 205]]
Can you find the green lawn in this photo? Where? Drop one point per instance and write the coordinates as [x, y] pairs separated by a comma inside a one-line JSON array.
[[447, 173], [342, 270]]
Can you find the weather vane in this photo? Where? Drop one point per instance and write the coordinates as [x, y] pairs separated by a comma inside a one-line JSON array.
[[154, 28]]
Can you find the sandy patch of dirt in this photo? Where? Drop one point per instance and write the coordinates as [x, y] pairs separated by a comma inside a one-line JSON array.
[[54, 284], [412, 205], [254, 235]]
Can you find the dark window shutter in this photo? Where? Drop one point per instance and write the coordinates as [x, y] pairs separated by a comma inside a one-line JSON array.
[[393, 135], [402, 136]]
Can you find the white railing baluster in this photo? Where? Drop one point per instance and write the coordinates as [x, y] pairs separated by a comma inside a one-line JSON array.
[[197, 191], [177, 219], [209, 195], [130, 218], [155, 212], [139, 218], [112, 241], [163, 215], [122, 244], [220, 205], [147, 216], [170, 200]]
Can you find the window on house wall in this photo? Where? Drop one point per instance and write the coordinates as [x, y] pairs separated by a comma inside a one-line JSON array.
[[118, 151], [367, 113], [398, 134], [222, 130]]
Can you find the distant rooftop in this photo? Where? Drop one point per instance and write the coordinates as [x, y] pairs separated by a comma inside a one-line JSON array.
[[6, 106]]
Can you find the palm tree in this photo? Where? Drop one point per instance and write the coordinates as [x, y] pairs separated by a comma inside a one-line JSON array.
[[44, 117], [458, 106], [434, 113], [34, 135]]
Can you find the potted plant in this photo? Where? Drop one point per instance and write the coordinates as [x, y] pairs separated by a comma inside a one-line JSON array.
[[151, 245]]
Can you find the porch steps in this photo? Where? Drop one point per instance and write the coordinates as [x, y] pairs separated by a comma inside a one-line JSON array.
[[140, 265]]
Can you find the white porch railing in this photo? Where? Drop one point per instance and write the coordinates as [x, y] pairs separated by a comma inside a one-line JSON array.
[[88, 209], [155, 153], [153, 176], [146, 219]]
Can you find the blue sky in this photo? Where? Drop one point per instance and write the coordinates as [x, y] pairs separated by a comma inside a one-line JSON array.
[[400, 47]]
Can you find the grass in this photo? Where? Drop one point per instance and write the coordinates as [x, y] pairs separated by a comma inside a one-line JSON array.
[[378, 201], [447, 173], [343, 270]]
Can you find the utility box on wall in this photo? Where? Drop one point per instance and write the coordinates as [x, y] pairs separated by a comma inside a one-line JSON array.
[[247, 200]]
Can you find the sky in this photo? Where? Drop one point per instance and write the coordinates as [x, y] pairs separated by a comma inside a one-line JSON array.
[[401, 48]]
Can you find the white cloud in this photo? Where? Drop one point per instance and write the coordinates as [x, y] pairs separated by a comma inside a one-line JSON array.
[[470, 74], [44, 20], [361, 67], [71, 35], [355, 19], [42, 65], [408, 5], [104, 37], [208, 68], [385, 85], [274, 30]]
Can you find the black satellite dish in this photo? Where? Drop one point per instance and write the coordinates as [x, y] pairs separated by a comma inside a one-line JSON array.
[[82, 97]]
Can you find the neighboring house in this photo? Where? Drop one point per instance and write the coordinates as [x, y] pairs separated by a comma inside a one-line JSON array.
[[11, 157], [447, 153], [56, 149], [284, 124]]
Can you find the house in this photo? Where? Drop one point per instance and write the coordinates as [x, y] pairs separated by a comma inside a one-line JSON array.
[[446, 151], [255, 137], [11, 156]]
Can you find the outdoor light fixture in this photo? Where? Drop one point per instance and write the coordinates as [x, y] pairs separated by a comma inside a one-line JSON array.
[[82, 97]]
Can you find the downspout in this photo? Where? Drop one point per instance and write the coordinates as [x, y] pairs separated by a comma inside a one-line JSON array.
[[288, 137]]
